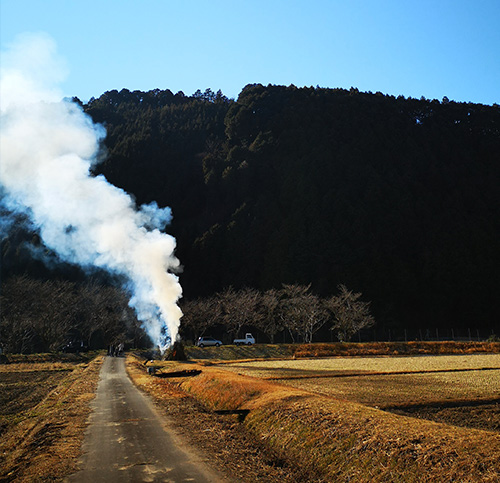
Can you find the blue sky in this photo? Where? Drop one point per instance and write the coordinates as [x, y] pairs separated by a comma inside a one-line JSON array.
[[430, 48]]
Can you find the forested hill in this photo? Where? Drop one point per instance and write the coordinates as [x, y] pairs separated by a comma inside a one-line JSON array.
[[396, 198]]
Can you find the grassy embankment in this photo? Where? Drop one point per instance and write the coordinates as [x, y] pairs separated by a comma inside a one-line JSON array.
[[339, 440], [231, 352], [44, 406]]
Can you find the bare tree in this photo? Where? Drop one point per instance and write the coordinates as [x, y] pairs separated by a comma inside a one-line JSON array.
[[200, 314], [104, 311], [302, 311], [269, 321], [43, 315], [35, 315], [349, 313], [291, 308], [239, 308], [56, 309], [314, 319]]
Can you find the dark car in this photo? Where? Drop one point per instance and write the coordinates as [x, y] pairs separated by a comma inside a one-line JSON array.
[[74, 346]]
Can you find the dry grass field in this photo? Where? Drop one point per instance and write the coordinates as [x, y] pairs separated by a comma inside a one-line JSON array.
[[340, 349], [462, 390], [44, 405], [23, 385], [228, 446], [367, 419], [375, 364], [385, 418]]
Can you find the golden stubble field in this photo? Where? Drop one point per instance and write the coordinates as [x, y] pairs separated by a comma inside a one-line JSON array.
[[44, 405], [462, 390], [366, 419], [384, 418]]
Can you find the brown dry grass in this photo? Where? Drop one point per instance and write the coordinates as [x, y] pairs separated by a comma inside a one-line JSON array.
[[394, 364], [337, 349], [55, 357], [339, 440], [409, 389], [221, 438], [36, 367], [350, 442], [393, 348], [21, 391], [43, 435], [387, 381]]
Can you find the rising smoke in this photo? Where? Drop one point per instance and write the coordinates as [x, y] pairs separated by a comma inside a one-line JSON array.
[[47, 148]]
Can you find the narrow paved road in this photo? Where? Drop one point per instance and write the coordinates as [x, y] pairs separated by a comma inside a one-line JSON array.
[[127, 440]]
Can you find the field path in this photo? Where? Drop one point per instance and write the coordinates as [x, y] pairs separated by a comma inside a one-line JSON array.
[[127, 440]]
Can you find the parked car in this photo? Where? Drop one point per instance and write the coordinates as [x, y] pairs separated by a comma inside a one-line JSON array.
[[248, 340], [207, 341], [74, 346]]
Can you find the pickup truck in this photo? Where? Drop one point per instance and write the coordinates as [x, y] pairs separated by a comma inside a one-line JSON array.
[[248, 340]]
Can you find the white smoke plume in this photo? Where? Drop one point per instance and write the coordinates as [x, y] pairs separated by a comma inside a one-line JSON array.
[[47, 148]]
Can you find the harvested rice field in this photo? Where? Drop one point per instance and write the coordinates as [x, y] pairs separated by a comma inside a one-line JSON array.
[[409, 419], [44, 405], [367, 364], [462, 390], [23, 386]]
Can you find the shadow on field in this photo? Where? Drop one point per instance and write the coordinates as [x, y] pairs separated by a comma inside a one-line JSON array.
[[477, 414]]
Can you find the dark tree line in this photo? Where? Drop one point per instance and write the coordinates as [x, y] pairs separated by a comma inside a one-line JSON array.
[[41, 316], [293, 308], [396, 197]]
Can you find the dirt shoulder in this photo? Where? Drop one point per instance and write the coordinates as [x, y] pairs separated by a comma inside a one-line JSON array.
[[42, 442], [223, 438]]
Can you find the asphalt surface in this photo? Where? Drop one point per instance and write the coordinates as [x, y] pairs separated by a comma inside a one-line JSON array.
[[128, 441]]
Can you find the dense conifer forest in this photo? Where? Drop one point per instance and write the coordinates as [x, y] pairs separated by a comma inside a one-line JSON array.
[[397, 198]]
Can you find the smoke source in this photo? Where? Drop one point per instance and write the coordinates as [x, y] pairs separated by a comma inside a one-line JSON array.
[[47, 148]]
